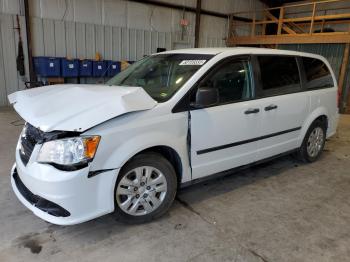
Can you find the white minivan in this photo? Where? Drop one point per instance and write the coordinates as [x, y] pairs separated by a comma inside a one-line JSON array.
[[168, 120]]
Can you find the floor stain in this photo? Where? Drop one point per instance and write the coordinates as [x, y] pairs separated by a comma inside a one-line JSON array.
[[179, 226], [30, 241], [33, 245]]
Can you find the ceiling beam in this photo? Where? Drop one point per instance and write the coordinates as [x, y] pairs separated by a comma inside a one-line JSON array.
[[319, 38]]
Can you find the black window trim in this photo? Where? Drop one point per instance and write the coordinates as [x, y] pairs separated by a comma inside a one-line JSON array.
[[302, 73], [184, 103]]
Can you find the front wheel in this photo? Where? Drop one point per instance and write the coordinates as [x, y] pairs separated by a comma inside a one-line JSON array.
[[145, 188], [314, 142]]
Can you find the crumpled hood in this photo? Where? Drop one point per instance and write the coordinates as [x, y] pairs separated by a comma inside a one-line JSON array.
[[77, 107]]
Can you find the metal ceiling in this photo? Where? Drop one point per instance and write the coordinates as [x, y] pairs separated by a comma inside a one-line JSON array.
[[274, 3]]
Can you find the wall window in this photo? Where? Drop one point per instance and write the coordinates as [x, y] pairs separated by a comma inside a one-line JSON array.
[[317, 74], [233, 81], [279, 74]]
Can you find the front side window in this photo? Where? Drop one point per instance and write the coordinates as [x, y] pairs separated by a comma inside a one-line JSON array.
[[317, 73], [161, 75], [279, 74], [233, 81]]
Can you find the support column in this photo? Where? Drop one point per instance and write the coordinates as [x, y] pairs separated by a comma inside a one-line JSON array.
[[32, 76], [342, 74], [198, 22]]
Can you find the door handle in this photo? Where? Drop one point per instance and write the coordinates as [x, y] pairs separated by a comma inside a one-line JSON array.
[[252, 111], [270, 107]]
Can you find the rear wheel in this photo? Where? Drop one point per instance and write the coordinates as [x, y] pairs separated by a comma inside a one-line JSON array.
[[314, 142], [145, 188]]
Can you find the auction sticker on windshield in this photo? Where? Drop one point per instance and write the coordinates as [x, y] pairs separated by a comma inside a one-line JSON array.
[[192, 62]]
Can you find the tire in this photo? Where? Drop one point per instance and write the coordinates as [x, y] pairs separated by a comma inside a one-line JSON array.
[[318, 128], [140, 203]]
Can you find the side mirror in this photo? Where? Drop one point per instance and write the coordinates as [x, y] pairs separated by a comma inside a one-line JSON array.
[[206, 96]]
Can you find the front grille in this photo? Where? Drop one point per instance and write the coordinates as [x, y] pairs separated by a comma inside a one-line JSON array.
[[39, 202], [29, 138]]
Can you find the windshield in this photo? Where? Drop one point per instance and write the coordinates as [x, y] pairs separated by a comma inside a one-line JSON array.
[[161, 75]]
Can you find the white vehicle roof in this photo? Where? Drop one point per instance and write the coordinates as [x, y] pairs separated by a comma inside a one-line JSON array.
[[241, 50]]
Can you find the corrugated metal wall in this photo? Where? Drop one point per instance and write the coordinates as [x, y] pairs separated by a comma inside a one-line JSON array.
[[333, 53], [10, 81], [73, 39]]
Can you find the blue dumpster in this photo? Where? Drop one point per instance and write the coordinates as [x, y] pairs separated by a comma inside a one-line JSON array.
[[85, 67], [70, 67], [113, 68], [99, 68], [47, 66]]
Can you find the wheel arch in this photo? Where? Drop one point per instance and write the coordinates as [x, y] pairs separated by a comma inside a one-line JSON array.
[[319, 113], [169, 154]]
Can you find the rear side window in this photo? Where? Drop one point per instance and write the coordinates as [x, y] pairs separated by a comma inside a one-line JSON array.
[[279, 74], [317, 74]]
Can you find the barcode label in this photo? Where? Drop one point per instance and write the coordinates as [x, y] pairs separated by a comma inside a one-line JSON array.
[[192, 62]]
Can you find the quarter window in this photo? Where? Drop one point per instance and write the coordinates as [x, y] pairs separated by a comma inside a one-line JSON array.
[[317, 73], [233, 81], [279, 74]]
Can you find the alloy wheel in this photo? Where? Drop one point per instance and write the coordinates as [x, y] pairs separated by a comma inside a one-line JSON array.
[[315, 142], [141, 191]]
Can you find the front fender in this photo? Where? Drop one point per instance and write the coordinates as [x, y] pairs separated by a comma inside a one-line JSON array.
[[137, 144], [117, 146]]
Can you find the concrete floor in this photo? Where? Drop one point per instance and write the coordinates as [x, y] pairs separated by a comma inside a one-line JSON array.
[[279, 211]]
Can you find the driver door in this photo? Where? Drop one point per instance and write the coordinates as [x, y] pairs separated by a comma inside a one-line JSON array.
[[222, 136]]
